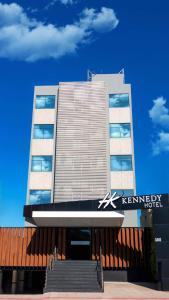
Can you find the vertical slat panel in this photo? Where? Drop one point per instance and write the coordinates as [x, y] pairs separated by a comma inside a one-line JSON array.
[[136, 246], [36, 256], [49, 243], [4, 247], [32, 246], [44, 263], [9, 248], [119, 249], [124, 247], [141, 245], [53, 236], [40, 246], [1, 244], [115, 248], [103, 246], [15, 247], [28, 250], [25, 233], [111, 247], [128, 247], [20, 244], [107, 252], [132, 254]]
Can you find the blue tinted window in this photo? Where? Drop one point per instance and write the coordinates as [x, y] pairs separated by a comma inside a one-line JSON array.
[[43, 131], [121, 162], [41, 163], [118, 100], [39, 197], [120, 130], [45, 101], [126, 193]]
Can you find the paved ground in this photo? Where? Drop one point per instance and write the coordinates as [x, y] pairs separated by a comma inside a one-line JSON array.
[[115, 290]]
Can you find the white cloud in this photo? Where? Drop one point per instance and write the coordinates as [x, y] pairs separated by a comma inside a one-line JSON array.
[[24, 38], [159, 113], [64, 2], [12, 15], [102, 21], [161, 144]]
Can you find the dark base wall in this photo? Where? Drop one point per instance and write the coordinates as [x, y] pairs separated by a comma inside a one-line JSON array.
[[136, 275], [22, 282], [32, 282]]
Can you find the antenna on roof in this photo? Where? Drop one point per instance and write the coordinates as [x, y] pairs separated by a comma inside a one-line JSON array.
[[122, 72], [89, 75]]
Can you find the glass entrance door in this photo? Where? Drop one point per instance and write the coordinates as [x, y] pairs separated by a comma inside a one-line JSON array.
[[79, 243]]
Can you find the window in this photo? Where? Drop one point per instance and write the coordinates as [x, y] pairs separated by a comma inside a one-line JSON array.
[[43, 131], [45, 102], [118, 100], [39, 196], [120, 130], [41, 163], [126, 193], [121, 162]]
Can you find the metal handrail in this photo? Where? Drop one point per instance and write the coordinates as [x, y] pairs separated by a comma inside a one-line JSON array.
[[51, 263]]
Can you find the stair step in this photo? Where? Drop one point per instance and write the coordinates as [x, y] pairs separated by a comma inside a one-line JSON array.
[[72, 277], [72, 284], [65, 282], [76, 271], [85, 290]]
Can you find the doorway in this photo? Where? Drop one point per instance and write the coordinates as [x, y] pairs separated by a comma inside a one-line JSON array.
[[79, 243]]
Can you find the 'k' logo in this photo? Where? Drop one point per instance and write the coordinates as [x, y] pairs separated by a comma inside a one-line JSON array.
[[108, 201]]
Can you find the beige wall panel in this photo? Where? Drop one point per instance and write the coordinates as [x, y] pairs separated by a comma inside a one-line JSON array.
[[44, 116], [46, 90], [38, 180], [122, 180], [42, 146], [119, 115], [120, 146]]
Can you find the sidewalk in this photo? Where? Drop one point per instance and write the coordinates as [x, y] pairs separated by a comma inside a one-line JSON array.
[[115, 290]]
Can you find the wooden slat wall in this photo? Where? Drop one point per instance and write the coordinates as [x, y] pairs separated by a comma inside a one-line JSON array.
[[30, 247], [122, 248]]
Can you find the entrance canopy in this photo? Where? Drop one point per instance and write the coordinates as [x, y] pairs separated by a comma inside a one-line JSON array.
[[77, 218], [72, 214]]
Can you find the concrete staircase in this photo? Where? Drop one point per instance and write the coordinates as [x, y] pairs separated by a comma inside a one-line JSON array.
[[73, 276]]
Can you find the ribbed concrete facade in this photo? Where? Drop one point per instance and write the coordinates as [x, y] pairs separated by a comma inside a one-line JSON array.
[[81, 163]]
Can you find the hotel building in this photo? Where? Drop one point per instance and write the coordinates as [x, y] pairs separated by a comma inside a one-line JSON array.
[[81, 163], [81, 149]]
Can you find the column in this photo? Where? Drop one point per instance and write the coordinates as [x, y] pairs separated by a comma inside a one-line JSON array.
[[20, 282], [14, 281], [1, 275]]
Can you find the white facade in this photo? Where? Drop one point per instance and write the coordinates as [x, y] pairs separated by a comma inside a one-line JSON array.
[[81, 147]]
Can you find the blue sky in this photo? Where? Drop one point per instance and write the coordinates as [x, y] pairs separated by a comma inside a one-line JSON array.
[[44, 42]]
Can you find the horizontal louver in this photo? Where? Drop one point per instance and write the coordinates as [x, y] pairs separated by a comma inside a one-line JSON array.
[[81, 169]]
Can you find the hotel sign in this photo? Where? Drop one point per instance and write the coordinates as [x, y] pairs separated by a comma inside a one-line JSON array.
[[117, 202], [113, 202]]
